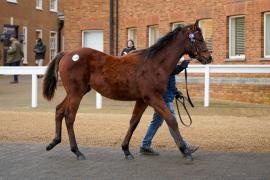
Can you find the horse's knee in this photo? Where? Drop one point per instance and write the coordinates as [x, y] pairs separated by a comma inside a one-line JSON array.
[[172, 123], [59, 114], [69, 124]]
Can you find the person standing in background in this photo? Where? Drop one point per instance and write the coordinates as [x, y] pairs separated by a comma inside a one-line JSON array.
[[130, 47], [40, 50], [14, 55]]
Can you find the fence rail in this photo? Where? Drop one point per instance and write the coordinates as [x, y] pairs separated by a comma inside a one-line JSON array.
[[29, 70], [206, 69]]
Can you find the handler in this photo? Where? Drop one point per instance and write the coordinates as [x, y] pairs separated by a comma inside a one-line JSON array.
[[157, 121]]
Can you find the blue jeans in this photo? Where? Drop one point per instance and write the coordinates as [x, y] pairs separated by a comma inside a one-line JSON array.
[[154, 125]]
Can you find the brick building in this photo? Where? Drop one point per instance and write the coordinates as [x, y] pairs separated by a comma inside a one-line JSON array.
[[236, 31], [29, 19]]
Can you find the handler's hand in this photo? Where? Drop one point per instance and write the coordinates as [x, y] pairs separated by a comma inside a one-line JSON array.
[[184, 64]]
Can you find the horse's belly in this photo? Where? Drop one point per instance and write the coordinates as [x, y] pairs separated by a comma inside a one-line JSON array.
[[114, 89], [117, 94]]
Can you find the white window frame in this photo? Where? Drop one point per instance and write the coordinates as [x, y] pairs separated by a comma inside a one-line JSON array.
[[149, 33], [56, 6], [265, 55], [12, 1], [89, 30], [129, 35], [40, 30], [242, 56], [200, 25], [173, 28], [63, 43], [37, 5], [56, 45]]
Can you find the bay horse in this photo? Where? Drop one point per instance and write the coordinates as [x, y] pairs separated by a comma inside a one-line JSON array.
[[140, 76]]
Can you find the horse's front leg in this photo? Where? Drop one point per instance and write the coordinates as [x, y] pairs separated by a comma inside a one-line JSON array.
[[138, 110], [160, 107]]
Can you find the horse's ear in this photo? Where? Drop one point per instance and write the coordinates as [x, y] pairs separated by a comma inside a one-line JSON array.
[[196, 25]]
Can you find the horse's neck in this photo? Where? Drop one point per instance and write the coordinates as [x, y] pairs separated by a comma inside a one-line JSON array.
[[169, 56]]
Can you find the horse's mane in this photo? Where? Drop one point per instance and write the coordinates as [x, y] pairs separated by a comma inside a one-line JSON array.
[[160, 44]]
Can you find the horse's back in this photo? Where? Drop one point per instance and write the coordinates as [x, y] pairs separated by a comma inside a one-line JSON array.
[[113, 77]]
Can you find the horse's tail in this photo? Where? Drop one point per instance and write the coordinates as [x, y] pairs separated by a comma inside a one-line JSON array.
[[51, 77]]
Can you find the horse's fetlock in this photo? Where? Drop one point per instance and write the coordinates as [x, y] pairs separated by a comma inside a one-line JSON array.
[[74, 150], [125, 147], [57, 140]]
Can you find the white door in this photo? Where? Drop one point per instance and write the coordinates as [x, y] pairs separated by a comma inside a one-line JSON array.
[[94, 39]]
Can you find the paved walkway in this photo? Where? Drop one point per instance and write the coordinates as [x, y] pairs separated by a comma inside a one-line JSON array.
[[27, 161]]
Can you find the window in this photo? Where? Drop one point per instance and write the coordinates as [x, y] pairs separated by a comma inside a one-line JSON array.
[[237, 37], [39, 33], [132, 35], [12, 1], [53, 45], [267, 35], [153, 35], [206, 26], [38, 4], [53, 5], [176, 25], [93, 39]]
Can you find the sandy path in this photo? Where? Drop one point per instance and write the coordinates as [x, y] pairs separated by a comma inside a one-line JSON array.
[[217, 133]]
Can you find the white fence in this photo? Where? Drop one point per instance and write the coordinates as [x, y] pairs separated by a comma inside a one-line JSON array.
[[29, 70], [206, 69]]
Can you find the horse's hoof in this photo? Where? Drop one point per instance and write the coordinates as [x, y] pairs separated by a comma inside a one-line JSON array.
[[129, 157], [49, 147], [81, 157]]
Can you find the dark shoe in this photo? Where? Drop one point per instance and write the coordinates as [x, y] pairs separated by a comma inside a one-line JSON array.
[[187, 150], [148, 151], [14, 82], [193, 148], [186, 153]]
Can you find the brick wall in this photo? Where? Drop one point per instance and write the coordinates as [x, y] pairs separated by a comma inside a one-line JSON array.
[[88, 15], [25, 13], [141, 14]]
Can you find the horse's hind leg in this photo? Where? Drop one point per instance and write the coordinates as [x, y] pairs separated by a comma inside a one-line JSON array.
[[72, 107], [138, 110], [59, 114]]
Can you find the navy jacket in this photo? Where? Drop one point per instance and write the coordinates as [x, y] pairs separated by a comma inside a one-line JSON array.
[[171, 88]]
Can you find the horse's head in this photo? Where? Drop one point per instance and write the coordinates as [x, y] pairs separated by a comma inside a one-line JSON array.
[[195, 45]]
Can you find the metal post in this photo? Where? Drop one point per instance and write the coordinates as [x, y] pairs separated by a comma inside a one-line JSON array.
[[34, 90], [206, 86]]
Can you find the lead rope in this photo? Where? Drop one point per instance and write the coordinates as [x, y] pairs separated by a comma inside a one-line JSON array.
[[182, 99], [189, 100]]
